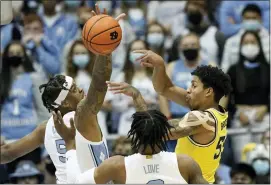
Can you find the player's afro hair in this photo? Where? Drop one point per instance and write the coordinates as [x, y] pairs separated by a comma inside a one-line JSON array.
[[149, 128], [214, 77], [51, 91]]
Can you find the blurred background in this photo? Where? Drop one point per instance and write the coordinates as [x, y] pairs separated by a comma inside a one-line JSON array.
[[44, 39]]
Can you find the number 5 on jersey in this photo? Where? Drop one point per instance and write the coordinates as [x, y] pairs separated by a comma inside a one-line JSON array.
[[219, 147], [61, 149]]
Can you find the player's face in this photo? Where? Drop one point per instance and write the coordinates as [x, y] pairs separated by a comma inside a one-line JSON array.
[[74, 96], [196, 94]]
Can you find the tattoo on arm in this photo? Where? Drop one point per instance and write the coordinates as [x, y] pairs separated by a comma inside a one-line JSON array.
[[139, 101], [98, 87]]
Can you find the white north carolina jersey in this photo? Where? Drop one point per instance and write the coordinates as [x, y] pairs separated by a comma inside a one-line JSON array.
[[161, 168], [55, 147]]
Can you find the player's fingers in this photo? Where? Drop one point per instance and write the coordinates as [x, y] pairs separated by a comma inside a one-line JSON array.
[[115, 88], [119, 92], [105, 12], [145, 64], [113, 84], [60, 119], [97, 9], [121, 16], [93, 13], [55, 117], [72, 123]]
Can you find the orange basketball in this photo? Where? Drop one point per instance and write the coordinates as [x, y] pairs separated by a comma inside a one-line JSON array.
[[101, 34]]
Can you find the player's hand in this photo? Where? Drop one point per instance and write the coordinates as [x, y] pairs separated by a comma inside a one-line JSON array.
[[68, 134], [149, 59], [122, 88], [98, 12]]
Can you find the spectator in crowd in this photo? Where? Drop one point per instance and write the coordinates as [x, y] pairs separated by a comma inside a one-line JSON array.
[[155, 37], [242, 173], [41, 48], [251, 90], [58, 27], [252, 21], [26, 173], [135, 11], [179, 72], [165, 12], [20, 97], [257, 154], [122, 146], [211, 39], [230, 18], [138, 77]]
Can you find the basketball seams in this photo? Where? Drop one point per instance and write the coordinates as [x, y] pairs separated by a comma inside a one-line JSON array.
[[101, 33], [105, 44], [94, 24]]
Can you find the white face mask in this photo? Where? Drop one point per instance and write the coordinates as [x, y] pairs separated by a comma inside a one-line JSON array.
[[155, 39], [250, 51]]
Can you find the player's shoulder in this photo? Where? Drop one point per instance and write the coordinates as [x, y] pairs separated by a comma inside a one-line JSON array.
[[117, 162], [198, 115]]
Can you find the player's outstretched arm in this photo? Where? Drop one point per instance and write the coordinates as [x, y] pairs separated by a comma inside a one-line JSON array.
[[128, 90], [14, 150], [190, 170], [88, 108], [193, 122], [112, 169], [161, 82]]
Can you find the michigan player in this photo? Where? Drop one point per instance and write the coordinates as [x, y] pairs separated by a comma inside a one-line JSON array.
[[201, 133], [61, 93], [149, 132]]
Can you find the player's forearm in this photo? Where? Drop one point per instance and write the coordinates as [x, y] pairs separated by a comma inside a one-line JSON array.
[[160, 80], [101, 73], [178, 132], [139, 102], [6, 157]]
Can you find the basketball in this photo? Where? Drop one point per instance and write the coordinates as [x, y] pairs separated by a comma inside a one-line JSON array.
[[101, 34]]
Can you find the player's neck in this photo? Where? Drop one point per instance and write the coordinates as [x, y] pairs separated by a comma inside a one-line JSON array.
[[206, 106], [148, 151]]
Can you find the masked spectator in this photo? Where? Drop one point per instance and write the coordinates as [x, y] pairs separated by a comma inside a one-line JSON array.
[[251, 21]]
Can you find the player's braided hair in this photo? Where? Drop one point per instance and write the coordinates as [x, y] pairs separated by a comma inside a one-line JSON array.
[[214, 77], [51, 91], [149, 128]]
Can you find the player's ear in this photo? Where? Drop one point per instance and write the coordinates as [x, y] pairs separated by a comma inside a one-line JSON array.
[[209, 91]]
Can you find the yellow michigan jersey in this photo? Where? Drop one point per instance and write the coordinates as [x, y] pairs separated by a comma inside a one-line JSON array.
[[208, 155]]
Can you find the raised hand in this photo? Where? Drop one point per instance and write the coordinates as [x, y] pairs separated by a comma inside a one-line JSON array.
[[122, 88], [98, 12], [67, 133], [149, 59]]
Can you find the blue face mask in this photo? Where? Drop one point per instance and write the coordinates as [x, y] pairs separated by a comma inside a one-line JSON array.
[[155, 39], [81, 60], [251, 25], [133, 57], [261, 166]]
